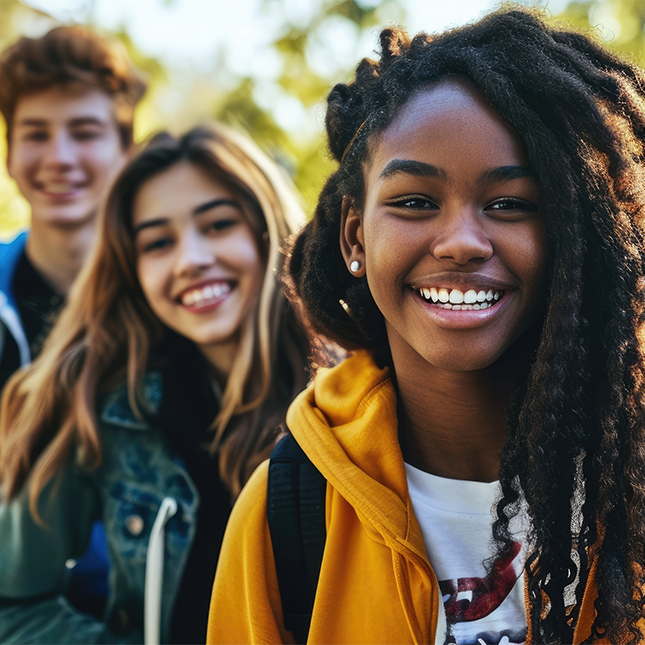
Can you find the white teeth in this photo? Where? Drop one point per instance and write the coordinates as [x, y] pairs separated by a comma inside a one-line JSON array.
[[454, 298], [201, 297], [59, 188], [470, 296]]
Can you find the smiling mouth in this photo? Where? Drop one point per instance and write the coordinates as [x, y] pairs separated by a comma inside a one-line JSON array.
[[205, 295], [60, 188], [457, 300]]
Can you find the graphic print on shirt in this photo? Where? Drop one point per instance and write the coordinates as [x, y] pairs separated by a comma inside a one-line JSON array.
[[471, 600]]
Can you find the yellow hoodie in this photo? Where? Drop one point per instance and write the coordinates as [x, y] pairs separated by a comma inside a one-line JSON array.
[[376, 584]]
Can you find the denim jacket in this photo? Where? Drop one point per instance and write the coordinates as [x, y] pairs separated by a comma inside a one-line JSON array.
[[138, 477]]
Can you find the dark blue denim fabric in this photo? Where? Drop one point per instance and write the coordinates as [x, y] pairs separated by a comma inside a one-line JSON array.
[[125, 492]]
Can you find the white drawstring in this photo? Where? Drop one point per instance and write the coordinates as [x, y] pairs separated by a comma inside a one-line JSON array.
[[154, 573]]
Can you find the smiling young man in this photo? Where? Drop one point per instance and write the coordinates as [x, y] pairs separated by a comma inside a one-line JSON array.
[[68, 100]]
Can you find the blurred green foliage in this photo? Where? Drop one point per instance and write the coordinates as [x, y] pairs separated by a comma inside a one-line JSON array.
[[619, 24], [185, 97]]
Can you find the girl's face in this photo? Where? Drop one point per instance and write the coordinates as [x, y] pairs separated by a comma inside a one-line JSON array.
[[451, 236], [197, 258]]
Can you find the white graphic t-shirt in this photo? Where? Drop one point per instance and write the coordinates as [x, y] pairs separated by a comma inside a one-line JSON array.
[[482, 606]]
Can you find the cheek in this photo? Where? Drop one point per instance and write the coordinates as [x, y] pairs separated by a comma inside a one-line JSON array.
[[390, 252], [106, 160], [244, 254], [21, 160], [150, 278], [534, 254]]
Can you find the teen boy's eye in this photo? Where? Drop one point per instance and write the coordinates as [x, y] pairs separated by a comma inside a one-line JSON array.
[[509, 206], [86, 135], [36, 135]]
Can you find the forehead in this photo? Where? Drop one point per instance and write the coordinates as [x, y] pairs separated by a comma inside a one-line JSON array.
[[176, 191], [453, 117], [60, 104]]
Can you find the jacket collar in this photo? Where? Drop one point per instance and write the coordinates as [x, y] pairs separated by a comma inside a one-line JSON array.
[[347, 425], [115, 407]]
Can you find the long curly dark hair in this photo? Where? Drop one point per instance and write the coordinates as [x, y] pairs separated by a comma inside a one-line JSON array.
[[575, 454]]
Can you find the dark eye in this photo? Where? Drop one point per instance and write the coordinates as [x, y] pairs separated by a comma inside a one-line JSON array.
[[37, 135], [86, 135], [509, 206], [222, 224], [161, 243], [415, 202]]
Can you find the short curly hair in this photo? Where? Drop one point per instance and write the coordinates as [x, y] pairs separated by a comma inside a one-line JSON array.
[[576, 429], [71, 55]]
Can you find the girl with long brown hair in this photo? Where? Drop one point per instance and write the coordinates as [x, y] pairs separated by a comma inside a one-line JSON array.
[[162, 386]]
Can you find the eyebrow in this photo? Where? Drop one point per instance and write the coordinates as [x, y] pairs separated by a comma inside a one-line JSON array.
[[422, 169], [410, 167], [507, 173], [198, 210], [214, 204]]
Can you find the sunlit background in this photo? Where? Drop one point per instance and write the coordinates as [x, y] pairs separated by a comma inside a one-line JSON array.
[[266, 66]]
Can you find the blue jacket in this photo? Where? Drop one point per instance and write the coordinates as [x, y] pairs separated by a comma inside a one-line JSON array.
[[145, 498], [10, 323]]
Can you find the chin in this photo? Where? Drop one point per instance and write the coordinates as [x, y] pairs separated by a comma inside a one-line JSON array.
[[463, 361]]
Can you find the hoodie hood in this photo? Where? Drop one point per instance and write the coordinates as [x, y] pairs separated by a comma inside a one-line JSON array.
[[346, 423]]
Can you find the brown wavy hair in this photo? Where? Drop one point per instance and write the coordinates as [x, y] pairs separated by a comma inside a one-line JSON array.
[[107, 331], [71, 56]]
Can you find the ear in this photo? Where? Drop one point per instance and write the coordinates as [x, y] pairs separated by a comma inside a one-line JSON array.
[[351, 237]]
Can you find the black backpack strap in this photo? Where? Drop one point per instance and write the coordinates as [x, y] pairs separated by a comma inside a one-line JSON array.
[[296, 513]]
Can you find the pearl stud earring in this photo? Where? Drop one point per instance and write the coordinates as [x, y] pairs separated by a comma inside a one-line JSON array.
[[355, 266]]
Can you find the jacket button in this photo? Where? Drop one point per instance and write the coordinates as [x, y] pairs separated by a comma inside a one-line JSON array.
[[134, 524]]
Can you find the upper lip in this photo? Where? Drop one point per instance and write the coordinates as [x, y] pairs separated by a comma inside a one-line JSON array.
[[201, 285], [461, 281]]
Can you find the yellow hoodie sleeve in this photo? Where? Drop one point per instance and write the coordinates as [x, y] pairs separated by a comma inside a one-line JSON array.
[[245, 605]]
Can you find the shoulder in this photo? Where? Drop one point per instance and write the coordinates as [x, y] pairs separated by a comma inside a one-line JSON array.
[[247, 531], [246, 584], [250, 507], [10, 253]]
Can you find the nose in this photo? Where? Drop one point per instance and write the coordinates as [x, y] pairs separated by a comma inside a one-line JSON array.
[[461, 238], [60, 151], [195, 254]]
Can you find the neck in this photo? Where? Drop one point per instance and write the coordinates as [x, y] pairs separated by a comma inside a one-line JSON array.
[[58, 253], [221, 356], [453, 424]]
